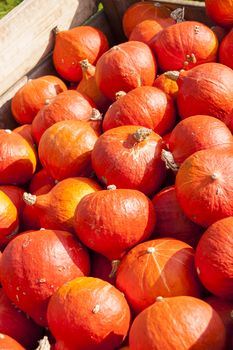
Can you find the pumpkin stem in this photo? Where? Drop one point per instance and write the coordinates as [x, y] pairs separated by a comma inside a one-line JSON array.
[[44, 344], [96, 309], [167, 157], [120, 94], [8, 131], [84, 64], [159, 299], [150, 250], [96, 115], [29, 198], [111, 187], [214, 176], [115, 264], [56, 30], [172, 74], [178, 14], [141, 134]]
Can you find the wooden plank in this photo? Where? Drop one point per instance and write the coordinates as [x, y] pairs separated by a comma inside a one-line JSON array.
[[26, 33]]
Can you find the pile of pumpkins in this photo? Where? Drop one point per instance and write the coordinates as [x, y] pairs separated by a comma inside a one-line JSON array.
[[116, 190]]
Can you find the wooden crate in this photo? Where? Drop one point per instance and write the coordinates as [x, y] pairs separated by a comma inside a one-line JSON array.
[[26, 36]]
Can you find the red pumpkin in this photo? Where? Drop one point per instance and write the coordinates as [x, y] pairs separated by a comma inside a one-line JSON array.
[[129, 157], [112, 221], [167, 85], [16, 196], [146, 106], [204, 187], [171, 220], [220, 11], [9, 221], [184, 46], [28, 100], [36, 263], [75, 45], [180, 323], [125, 67], [8, 343], [226, 50], [157, 267], [214, 259], [100, 311]]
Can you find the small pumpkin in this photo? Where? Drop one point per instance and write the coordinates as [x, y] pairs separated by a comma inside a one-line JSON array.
[[220, 11], [226, 50], [9, 221], [8, 343]]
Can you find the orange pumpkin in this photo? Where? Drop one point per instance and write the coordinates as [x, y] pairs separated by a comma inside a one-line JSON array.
[[16, 196], [26, 132], [100, 311], [167, 85], [8, 343], [220, 11], [9, 221], [157, 267], [226, 50], [28, 100], [180, 323]]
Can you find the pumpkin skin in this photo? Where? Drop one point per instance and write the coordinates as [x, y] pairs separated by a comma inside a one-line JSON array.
[[193, 323], [100, 310], [8, 343], [226, 50], [17, 159], [213, 258], [196, 133], [146, 106], [70, 105], [158, 267], [171, 220], [9, 221], [26, 132], [142, 11], [16, 196], [70, 143], [112, 221], [138, 164], [56, 208], [203, 186], [220, 12], [102, 268], [28, 100], [17, 325], [184, 46], [220, 32], [125, 67], [36, 263], [75, 45], [167, 85]]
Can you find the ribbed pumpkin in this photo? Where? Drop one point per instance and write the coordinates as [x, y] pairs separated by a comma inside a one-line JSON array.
[[143, 11], [220, 11], [101, 317], [226, 49], [70, 105], [15, 194], [180, 323], [184, 46], [8, 343], [129, 157], [157, 267], [112, 221], [75, 45], [56, 208], [17, 159], [146, 106], [171, 220], [17, 324], [125, 67], [9, 221], [36, 263], [204, 187], [70, 143], [167, 85], [213, 258], [29, 99]]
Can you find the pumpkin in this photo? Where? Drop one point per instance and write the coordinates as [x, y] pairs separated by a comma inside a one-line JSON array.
[[142, 11], [129, 157], [205, 90], [30, 98], [203, 185], [112, 221], [15, 194], [125, 67], [226, 50], [75, 45], [184, 46], [103, 268], [9, 221], [17, 159], [88, 86], [167, 85], [171, 220], [56, 208], [213, 258], [162, 266], [146, 106], [26, 132], [8, 343], [17, 324], [220, 11], [100, 311], [180, 323], [70, 105], [36, 263]]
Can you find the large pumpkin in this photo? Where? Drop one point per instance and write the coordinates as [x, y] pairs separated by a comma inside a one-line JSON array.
[[146, 106], [162, 266], [180, 323], [36, 263], [8, 343], [125, 67], [226, 49], [204, 187], [129, 157], [220, 11], [91, 308]]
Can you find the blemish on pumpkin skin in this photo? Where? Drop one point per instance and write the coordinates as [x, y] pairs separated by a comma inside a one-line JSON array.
[[41, 280]]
